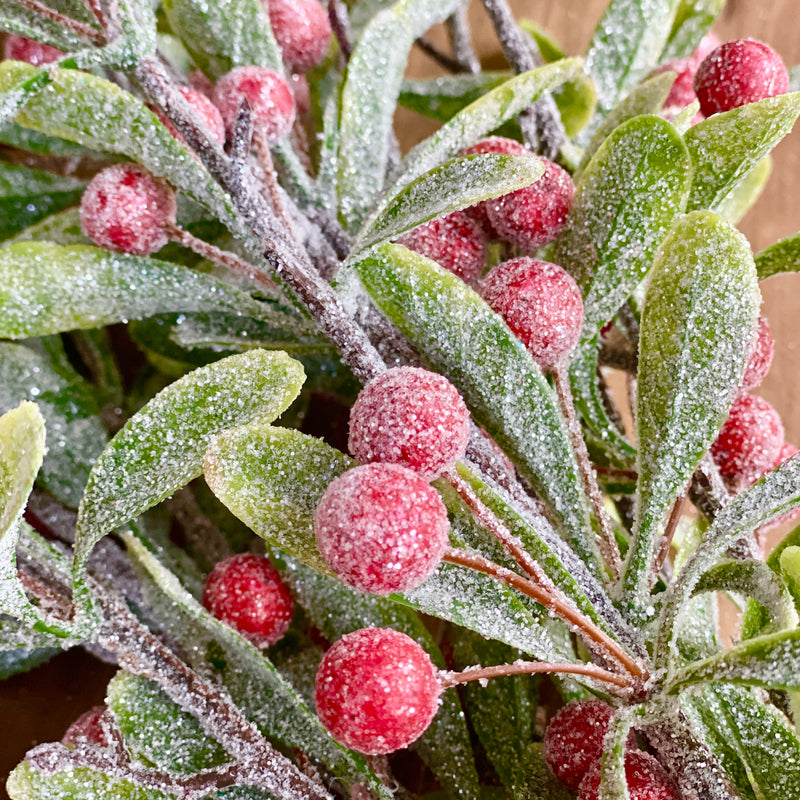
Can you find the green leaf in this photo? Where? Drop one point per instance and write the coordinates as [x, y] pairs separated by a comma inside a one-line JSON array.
[[534, 780], [220, 36], [369, 98], [744, 195], [613, 778], [441, 98], [161, 448], [21, 21], [783, 256], [47, 288], [13, 662], [727, 146], [700, 313], [63, 227], [501, 383], [454, 185], [693, 20]]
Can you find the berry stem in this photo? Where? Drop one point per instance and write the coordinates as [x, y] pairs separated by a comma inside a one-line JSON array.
[[669, 533], [461, 41], [81, 28], [449, 679], [608, 544], [560, 606]]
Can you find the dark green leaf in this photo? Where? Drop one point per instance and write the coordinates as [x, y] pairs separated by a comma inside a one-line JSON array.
[[535, 781]]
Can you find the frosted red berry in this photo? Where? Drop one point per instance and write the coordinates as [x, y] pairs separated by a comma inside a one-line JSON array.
[[541, 303], [87, 729], [268, 94], [376, 690], [126, 208], [646, 778], [206, 111], [20, 48], [749, 441], [573, 741], [302, 30], [761, 357], [381, 528], [246, 592], [412, 417], [737, 73]]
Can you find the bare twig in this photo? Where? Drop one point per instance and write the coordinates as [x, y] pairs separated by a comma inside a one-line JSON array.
[[96, 8], [268, 169], [669, 533], [461, 41], [340, 25], [444, 60], [80, 28]]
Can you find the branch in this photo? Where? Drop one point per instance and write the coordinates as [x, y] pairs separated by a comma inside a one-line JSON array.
[[461, 41], [437, 55], [340, 25]]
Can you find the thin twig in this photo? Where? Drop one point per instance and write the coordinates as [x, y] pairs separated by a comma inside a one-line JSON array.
[[268, 168], [461, 41], [669, 533], [340, 25], [444, 60], [80, 28], [96, 9]]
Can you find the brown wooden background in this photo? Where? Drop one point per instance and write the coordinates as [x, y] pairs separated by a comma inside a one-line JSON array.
[[38, 707]]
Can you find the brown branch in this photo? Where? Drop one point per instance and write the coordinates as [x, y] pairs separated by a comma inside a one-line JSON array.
[[340, 25], [444, 60], [96, 9], [669, 533], [268, 168], [80, 28]]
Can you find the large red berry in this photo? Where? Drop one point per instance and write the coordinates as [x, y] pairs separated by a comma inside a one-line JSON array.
[[302, 30], [737, 73], [453, 241], [541, 303], [246, 592], [126, 208], [19, 48], [268, 94], [87, 729], [381, 528], [207, 112], [376, 690], [412, 417], [573, 741], [761, 357], [646, 778], [532, 217], [749, 441]]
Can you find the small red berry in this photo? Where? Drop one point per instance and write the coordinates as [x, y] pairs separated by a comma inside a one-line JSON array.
[[737, 73], [126, 208], [87, 729], [302, 30], [749, 441], [573, 741], [646, 778], [381, 528], [19, 48], [412, 417], [541, 303], [761, 358], [453, 241], [376, 690], [246, 592], [268, 94], [207, 112]]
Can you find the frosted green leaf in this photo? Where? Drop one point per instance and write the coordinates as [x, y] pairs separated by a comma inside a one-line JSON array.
[[725, 147], [534, 779], [257, 688], [783, 256], [24, 139], [13, 662], [220, 36], [61, 228], [21, 21], [613, 781], [700, 314], [47, 288], [503, 386], [625, 203], [457, 184], [369, 98], [441, 98], [744, 195], [790, 571], [693, 20]]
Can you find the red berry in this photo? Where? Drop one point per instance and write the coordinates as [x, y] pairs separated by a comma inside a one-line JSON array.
[[302, 29], [302, 94], [207, 112], [411, 417], [19, 48], [541, 303], [268, 93], [749, 441], [573, 741], [493, 145], [381, 528], [737, 73], [126, 208], [761, 358], [246, 592], [87, 729], [681, 94], [376, 690], [646, 778], [532, 217]]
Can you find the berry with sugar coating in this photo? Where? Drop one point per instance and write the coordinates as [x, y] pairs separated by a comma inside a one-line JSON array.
[[302, 30], [541, 303], [87, 729], [573, 741], [412, 417], [737, 73], [381, 528], [761, 357], [19, 48], [246, 592], [376, 690], [207, 112], [646, 778], [749, 441], [126, 208], [453, 241], [268, 94]]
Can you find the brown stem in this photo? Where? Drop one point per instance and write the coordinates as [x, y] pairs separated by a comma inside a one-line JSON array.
[[669, 533], [449, 679], [461, 41], [81, 28], [50, 600], [608, 544], [337, 14], [444, 60], [592, 635], [268, 168], [96, 9]]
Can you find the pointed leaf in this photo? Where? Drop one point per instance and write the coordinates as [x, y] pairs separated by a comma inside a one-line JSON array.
[[783, 256], [613, 777]]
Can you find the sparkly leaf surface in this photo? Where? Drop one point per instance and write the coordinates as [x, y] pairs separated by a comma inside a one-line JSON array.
[[783, 256], [21, 21], [693, 19]]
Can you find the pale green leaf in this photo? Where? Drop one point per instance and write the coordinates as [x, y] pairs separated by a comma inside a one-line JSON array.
[[783, 256], [693, 20], [744, 195]]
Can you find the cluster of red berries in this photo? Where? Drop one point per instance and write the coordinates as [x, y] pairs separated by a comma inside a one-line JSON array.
[[573, 746]]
